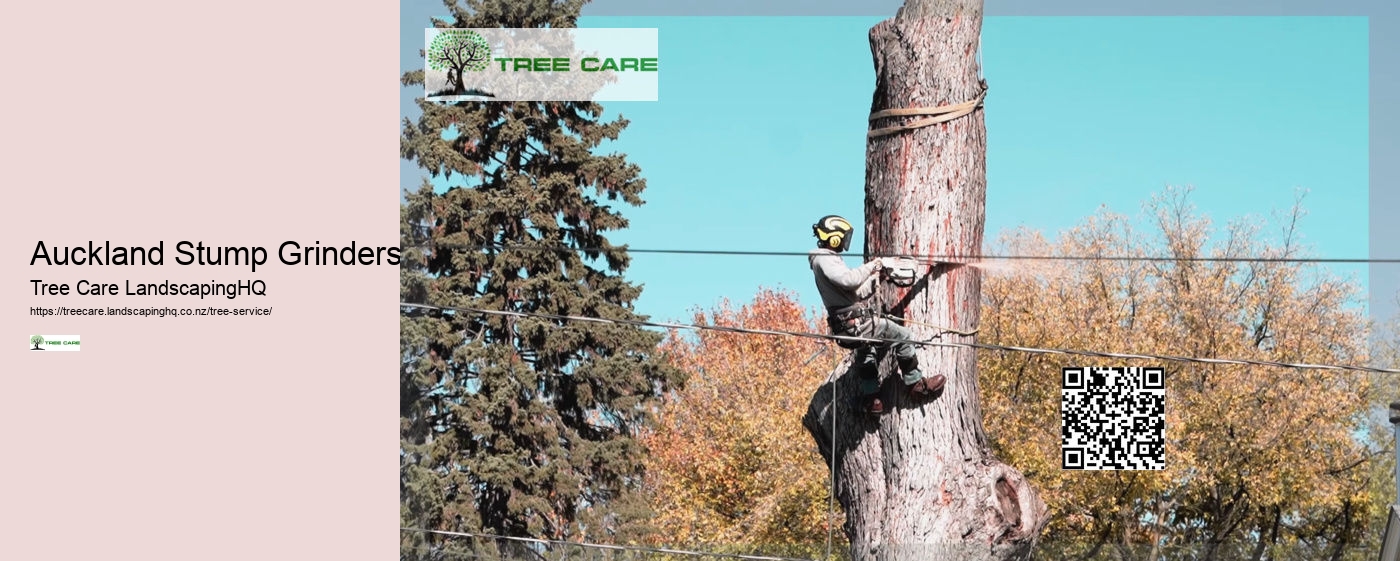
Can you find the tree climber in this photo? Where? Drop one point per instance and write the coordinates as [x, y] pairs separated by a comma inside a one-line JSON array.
[[846, 293]]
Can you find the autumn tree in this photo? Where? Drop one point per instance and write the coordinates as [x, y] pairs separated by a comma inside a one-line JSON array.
[[1261, 462], [921, 482], [1264, 462], [519, 426], [1385, 354], [730, 468]]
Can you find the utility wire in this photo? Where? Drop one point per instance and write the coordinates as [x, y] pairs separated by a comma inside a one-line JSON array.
[[927, 343], [428, 548], [925, 258], [605, 546]]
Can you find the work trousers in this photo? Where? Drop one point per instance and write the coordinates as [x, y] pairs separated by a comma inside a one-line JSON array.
[[868, 356]]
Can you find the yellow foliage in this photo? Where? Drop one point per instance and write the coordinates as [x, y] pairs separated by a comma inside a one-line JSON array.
[[1250, 450], [1274, 460], [729, 461]]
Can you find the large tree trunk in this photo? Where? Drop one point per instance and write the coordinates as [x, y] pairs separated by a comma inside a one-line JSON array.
[[920, 482]]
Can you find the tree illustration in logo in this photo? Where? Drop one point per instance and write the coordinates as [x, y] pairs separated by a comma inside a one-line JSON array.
[[36, 341], [458, 51]]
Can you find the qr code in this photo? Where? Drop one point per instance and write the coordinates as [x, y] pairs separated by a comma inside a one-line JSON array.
[[1113, 418]]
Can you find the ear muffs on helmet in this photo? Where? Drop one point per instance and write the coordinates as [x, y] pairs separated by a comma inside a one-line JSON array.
[[833, 231], [833, 240]]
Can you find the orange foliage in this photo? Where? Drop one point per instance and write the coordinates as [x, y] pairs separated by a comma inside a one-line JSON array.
[[730, 464]]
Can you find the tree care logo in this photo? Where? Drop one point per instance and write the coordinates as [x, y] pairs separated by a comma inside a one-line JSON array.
[[54, 343], [540, 64], [456, 52]]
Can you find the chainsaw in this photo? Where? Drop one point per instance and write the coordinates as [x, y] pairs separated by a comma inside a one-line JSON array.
[[901, 271]]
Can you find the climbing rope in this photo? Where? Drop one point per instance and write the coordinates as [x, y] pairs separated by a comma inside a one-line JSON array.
[[831, 481], [941, 114], [940, 328]]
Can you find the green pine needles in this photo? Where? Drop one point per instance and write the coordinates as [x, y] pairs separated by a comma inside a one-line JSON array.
[[523, 427]]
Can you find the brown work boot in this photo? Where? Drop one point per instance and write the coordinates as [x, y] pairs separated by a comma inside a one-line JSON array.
[[927, 387], [871, 405]]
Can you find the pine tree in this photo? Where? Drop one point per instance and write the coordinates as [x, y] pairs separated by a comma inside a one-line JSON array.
[[519, 426]]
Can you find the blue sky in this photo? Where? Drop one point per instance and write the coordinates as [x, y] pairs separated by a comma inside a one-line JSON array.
[[760, 130]]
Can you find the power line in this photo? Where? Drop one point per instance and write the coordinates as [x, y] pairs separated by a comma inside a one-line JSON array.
[[428, 548], [605, 546], [927, 343], [925, 258]]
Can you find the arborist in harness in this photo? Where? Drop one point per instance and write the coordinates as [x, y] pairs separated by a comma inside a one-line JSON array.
[[846, 293]]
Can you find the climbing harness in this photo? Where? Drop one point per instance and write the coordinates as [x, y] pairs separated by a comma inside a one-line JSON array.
[[856, 320]]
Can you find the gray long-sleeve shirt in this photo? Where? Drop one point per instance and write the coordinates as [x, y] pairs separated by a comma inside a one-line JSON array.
[[838, 284]]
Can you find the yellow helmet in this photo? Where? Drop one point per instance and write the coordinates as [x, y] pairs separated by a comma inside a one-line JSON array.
[[833, 232]]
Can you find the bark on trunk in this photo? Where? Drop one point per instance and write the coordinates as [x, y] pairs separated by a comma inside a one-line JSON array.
[[920, 482]]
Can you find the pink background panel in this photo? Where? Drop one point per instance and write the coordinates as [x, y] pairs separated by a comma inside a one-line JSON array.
[[244, 123]]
